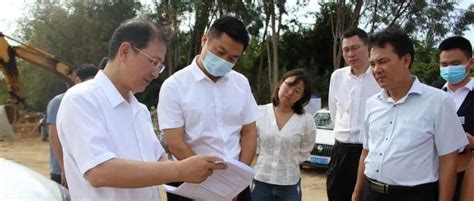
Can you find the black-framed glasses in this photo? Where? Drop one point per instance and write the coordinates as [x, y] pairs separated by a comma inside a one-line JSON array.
[[157, 65], [353, 48]]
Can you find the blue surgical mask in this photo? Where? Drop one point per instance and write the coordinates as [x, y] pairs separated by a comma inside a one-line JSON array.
[[453, 74], [215, 65]]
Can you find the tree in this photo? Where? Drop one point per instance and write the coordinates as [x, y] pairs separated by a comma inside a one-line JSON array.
[[76, 31]]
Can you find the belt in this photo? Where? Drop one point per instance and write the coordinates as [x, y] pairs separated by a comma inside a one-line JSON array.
[[384, 188], [348, 145]]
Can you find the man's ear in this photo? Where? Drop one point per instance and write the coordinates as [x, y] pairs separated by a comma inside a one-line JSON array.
[[204, 40], [407, 60], [77, 80], [124, 50]]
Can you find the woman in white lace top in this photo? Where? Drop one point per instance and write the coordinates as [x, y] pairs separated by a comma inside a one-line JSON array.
[[286, 136]]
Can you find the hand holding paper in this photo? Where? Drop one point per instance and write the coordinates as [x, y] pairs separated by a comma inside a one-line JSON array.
[[196, 169], [223, 184]]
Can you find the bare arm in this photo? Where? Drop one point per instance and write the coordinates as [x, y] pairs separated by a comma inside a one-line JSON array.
[[122, 173], [357, 194], [248, 143], [56, 145], [176, 145], [447, 176], [467, 194]]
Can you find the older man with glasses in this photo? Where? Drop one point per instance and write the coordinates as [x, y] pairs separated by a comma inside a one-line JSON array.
[[110, 149]]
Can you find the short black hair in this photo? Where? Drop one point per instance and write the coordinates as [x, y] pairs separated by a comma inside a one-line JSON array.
[[399, 40], [456, 42], [86, 71], [354, 31], [231, 26], [103, 63], [301, 76], [138, 32]]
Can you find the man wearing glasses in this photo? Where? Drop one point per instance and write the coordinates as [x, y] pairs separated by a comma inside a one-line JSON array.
[[110, 149], [207, 108], [349, 88]]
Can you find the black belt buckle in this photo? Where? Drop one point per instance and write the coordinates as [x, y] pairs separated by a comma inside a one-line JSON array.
[[378, 186]]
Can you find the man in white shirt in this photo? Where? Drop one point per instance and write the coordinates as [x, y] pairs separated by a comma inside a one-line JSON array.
[[349, 88], [207, 108], [109, 147], [81, 74], [455, 60], [411, 132]]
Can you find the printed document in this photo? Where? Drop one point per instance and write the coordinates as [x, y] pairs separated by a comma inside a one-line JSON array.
[[220, 186]]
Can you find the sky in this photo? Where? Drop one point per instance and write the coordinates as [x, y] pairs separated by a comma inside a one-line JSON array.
[[12, 10]]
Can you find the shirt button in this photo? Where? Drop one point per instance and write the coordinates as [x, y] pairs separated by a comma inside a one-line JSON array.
[[390, 122], [376, 170], [386, 138], [380, 153], [394, 105]]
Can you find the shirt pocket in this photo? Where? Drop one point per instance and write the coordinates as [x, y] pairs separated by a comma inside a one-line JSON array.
[[377, 131], [414, 134]]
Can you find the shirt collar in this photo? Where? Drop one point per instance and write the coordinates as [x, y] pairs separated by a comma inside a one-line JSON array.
[[349, 72], [469, 86], [111, 92], [416, 88], [199, 75]]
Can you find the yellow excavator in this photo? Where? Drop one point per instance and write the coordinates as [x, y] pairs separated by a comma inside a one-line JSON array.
[[36, 56], [8, 68]]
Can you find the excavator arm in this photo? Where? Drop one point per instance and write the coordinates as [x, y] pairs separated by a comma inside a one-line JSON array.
[[38, 57]]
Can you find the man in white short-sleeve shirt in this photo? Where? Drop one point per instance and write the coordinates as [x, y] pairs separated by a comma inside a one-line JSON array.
[[109, 147], [411, 132], [207, 108]]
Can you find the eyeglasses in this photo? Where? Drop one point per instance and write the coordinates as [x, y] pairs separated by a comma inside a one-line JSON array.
[[353, 48], [295, 90], [157, 65]]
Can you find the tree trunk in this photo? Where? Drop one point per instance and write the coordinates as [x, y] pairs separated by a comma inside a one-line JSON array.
[[202, 9]]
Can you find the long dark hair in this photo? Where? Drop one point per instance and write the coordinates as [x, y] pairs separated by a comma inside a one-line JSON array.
[[301, 76]]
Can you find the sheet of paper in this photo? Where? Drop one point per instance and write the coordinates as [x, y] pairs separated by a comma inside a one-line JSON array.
[[221, 185]]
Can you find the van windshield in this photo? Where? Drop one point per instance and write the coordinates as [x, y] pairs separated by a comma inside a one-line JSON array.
[[323, 121]]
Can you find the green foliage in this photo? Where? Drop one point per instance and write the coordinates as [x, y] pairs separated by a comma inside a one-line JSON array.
[[39, 86], [428, 73], [79, 31], [76, 31]]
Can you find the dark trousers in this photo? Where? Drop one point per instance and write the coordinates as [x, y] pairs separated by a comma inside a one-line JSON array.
[[262, 191], [243, 196], [457, 191], [56, 178], [342, 172], [425, 192]]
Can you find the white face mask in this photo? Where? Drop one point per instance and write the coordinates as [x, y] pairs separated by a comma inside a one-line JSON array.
[[215, 65]]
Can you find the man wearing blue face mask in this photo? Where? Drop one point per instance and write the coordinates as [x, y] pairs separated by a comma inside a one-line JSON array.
[[455, 63], [207, 107]]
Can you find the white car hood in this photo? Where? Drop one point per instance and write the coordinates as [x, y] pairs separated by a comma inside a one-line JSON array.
[[21, 183]]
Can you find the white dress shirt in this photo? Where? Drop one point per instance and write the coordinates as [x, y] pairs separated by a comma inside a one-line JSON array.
[[347, 96], [212, 113], [282, 151], [460, 94], [96, 124], [406, 138]]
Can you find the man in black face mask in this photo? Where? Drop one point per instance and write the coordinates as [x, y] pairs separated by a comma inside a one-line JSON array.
[[207, 108]]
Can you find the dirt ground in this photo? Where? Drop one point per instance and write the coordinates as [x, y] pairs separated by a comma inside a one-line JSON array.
[[27, 149]]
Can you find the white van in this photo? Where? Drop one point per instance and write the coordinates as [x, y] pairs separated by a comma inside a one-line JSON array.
[[321, 153]]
